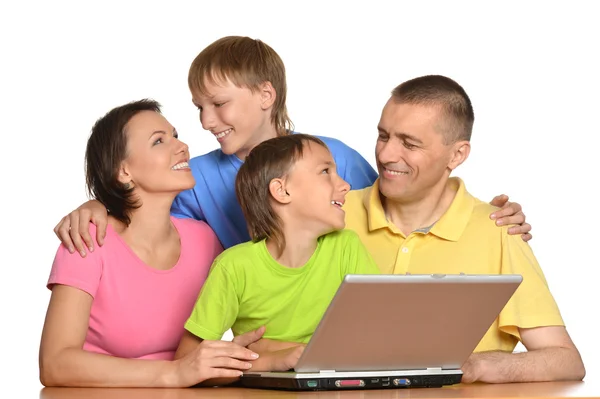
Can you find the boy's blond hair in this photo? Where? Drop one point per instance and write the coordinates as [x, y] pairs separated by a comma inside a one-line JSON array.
[[246, 63]]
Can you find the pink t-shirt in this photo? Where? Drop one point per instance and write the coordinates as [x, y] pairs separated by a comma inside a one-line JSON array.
[[138, 312]]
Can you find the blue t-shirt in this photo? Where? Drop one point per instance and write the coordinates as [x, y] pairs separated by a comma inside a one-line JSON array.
[[213, 198]]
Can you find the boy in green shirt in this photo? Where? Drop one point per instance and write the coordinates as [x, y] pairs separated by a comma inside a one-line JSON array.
[[285, 278]]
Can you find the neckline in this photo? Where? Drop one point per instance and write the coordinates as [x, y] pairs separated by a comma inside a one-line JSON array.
[[285, 270], [146, 266]]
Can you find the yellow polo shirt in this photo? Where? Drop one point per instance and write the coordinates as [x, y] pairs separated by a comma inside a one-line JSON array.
[[463, 240]]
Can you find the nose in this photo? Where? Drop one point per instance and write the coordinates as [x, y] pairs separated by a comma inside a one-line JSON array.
[[181, 147], [207, 118], [343, 185], [388, 152]]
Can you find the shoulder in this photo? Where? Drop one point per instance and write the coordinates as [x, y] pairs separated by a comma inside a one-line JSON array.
[[193, 226], [354, 205], [337, 146], [240, 254], [213, 158], [341, 237], [481, 215], [355, 197], [198, 233]]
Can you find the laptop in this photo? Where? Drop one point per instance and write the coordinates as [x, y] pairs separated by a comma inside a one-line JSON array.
[[395, 331]]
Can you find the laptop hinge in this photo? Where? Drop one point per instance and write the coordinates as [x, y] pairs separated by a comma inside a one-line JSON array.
[[326, 371]]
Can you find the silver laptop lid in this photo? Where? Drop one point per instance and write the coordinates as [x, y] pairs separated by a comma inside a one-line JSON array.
[[406, 322]]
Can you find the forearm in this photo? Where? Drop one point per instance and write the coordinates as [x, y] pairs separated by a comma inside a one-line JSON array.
[[271, 345], [78, 368], [547, 364]]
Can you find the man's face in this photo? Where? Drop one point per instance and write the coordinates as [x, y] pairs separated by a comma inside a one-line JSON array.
[[411, 155]]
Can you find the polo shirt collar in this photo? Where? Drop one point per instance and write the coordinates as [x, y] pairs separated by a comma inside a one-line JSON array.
[[454, 221], [450, 226]]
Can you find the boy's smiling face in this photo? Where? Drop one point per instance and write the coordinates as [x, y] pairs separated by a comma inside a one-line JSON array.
[[238, 117], [316, 192]]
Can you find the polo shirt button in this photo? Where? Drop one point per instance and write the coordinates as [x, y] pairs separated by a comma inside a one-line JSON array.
[[405, 250]]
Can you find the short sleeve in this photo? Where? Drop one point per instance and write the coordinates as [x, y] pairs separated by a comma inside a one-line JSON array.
[[356, 257], [186, 205], [217, 306], [532, 304], [75, 271]]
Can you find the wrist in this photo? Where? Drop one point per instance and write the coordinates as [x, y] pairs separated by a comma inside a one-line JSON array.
[[168, 375], [483, 365], [263, 363]]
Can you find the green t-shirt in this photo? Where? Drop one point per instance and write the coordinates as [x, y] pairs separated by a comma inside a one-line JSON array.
[[246, 288]]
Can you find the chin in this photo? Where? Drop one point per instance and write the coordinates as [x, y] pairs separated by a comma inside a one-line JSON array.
[[185, 185], [391, 192], [339, 225], [230, 148]]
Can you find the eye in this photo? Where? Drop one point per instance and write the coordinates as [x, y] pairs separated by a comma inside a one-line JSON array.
[[219, 105], [158, 141], [383, 137], [198, 107], [325, 171], [409, 146], [176, 135]]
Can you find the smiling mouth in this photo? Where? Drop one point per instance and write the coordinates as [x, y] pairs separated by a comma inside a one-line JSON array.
[[181, 165], [395, 172], [337, 203], [222, 134]]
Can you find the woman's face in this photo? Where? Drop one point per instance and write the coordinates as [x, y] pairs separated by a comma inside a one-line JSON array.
[[156, 162]]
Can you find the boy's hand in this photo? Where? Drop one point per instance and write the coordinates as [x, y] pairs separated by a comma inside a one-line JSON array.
[[511, 213], [254, 341], [249, 338], [281, 360], [74, 229]]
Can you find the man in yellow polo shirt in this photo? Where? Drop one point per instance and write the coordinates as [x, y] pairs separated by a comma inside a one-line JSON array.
[[417, 219]]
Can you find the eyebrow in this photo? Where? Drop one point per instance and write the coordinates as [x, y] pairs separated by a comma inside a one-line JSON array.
[[400, 135], [160, 132], [328, 163]]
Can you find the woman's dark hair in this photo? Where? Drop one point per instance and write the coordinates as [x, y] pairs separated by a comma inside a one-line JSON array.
[[106, 150]]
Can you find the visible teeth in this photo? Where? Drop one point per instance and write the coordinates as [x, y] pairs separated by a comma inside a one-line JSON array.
[[223, 134], [181, 166], [337, 203], [393, 172]]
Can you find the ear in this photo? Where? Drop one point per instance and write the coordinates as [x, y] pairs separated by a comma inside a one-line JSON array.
[[278, 191], [460, 153], [267, 95], [124, 176]]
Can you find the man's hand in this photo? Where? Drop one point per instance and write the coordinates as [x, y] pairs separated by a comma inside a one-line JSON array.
[[551, 356]]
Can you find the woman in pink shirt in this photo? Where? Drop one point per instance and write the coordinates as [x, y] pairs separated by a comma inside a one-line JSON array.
[[116, 316]]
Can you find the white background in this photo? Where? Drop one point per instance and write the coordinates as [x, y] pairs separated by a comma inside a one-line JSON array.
[[529, 68]]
